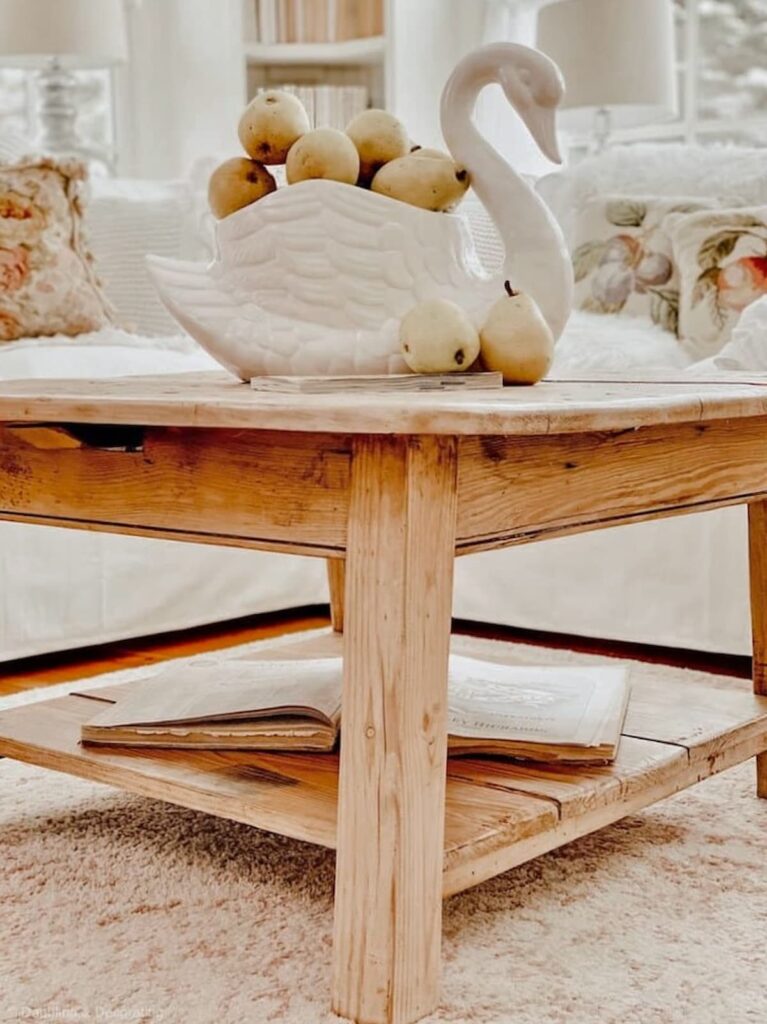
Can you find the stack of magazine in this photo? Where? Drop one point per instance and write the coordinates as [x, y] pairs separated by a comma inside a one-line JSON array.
[[541, 714]]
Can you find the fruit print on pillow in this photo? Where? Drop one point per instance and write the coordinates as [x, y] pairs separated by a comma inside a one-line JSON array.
[[733, 264], [623, 257], [722, 257]]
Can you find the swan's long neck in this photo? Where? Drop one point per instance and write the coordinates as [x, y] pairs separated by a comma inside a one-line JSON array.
[[537, 260]]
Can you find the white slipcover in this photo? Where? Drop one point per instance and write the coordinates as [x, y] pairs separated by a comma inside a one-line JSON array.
[[680, 582]]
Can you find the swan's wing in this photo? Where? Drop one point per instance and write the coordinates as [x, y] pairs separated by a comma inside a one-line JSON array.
[[250, 341], [330, 254]]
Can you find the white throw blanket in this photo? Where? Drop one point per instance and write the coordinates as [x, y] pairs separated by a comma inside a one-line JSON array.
[[747, 349]]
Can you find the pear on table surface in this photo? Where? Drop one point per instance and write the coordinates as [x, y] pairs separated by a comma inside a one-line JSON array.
[[515, 340], [236, 183], [378, 137], [323, 153], [270, 124], [437, 337], [432, 183]]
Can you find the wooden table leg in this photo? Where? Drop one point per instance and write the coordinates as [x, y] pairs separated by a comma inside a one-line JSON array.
[[757, 545], [400, 549], [337, 585]]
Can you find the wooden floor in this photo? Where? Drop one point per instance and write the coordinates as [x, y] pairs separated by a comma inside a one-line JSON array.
[[47, 670]]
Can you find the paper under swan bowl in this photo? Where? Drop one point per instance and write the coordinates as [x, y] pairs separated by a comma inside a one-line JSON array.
[[316, 277]]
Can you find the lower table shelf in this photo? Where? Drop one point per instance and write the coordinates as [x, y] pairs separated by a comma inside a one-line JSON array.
[[499, 814]]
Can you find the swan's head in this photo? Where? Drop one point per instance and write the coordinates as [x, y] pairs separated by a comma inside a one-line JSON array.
[[534, 86]]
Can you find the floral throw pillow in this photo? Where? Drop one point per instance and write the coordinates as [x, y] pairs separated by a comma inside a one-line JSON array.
[[47, 280], [623, 257], [722, 259]]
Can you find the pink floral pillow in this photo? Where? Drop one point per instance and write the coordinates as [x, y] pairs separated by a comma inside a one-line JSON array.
[[623, 257], [47, 280], [722, 259]]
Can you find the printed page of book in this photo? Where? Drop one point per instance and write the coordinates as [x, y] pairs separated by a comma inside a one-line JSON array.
[[567, 704], [231, 690]]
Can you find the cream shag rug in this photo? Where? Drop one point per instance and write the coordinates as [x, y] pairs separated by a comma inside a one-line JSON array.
[[118, 908]]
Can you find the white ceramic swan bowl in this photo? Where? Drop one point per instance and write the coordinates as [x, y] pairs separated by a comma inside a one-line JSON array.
[[316, 277]]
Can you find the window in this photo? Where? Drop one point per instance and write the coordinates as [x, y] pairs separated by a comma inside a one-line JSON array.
[[722, 64]]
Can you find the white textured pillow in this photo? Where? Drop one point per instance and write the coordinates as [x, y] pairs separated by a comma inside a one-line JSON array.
[[127, 220], [734, 175]]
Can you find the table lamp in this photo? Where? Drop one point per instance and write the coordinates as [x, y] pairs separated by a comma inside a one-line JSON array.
[[617, 58], [57, 36]]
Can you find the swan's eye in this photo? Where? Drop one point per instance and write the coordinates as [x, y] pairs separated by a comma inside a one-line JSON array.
[[525, 77]]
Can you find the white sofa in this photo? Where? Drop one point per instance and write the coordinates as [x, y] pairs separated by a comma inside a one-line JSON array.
[[680, 582]]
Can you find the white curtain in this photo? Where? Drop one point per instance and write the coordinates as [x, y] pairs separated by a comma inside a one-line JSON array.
[[181, 94], [515, 21]]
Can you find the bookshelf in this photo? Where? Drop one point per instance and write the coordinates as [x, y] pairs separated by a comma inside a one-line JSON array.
[[402, 65]]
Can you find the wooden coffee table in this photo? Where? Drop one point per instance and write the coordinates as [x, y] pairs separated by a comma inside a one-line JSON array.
[[392, 487]]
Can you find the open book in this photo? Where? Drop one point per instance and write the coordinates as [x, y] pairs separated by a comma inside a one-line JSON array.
[[547, 714]]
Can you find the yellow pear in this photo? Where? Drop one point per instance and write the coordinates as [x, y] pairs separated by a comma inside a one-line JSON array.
[[236, 183], [433, 154], [437, 337], [515, 339], [270, 124], [379, 138], [323, 153], [433, 183]]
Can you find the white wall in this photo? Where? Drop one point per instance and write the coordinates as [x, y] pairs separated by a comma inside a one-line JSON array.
[[514, 21], [181, 95], [428, 38]]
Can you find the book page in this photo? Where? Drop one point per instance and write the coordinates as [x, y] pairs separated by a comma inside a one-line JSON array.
[[561, 705], [229, 690]]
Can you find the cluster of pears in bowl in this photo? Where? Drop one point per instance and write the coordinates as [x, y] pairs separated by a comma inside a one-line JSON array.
[[375, 153]]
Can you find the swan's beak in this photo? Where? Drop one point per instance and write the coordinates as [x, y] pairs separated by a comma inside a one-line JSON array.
[[542, 123]]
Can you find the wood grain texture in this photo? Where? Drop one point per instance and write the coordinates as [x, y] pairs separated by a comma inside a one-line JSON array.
[[337, 588], [498, 813], [757, 555], [399, 572], [293, 794], [218, 400], [757, 549], [239, 487], [512, 488], [761, 775], [48, 438], [579, 789], [494, 542], [485, 863]]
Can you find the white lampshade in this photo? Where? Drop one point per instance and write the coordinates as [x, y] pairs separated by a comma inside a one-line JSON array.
[[615, 55], [81, 33]]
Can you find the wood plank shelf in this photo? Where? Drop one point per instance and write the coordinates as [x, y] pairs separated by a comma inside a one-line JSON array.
[[499, 813], [367, 50]]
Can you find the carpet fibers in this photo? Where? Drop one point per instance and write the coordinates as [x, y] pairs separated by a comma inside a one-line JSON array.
[[119, 908]]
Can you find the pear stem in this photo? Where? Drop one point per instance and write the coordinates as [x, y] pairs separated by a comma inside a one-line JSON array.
[[509, 290]]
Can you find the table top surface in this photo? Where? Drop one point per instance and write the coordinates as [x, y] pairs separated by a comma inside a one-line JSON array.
[[553, 406]]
